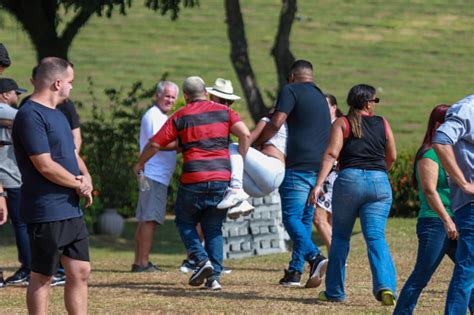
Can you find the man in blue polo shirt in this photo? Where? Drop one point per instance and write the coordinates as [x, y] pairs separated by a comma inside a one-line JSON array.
[[454, 144], [303, 106], [54, 178]]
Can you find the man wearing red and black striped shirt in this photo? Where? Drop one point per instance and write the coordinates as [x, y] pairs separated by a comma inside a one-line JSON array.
[[202, 130]]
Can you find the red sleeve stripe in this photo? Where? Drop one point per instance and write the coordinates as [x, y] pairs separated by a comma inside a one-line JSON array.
[[347, 130], [386, 127]]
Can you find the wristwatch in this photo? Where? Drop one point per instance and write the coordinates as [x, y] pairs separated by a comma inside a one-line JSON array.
[[3, 194]]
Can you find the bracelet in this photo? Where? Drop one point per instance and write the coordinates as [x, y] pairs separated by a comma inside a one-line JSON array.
[[3, 194]]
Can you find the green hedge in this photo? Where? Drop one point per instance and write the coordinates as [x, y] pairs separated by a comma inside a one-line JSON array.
[[405, 198], [111, 148]]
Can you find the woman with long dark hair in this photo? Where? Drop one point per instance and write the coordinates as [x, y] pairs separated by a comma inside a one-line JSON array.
[[365, 148], [435, 227]]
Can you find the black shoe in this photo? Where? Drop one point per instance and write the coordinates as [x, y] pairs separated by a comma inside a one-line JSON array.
[[188, 265], [317, 269], [20, 277], [204, 270], [59, 279], [148, 268], [291, 278]]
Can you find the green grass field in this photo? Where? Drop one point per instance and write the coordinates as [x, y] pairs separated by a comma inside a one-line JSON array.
[[251, 287], [417, 53]]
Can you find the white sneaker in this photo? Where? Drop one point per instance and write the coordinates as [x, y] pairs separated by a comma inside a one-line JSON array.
[[212, 284], [232, 197], [243, 208]]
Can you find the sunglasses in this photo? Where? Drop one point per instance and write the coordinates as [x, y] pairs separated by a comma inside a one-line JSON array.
[[375, 100]]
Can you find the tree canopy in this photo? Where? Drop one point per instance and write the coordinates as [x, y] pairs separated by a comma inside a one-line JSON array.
[[43, 19]]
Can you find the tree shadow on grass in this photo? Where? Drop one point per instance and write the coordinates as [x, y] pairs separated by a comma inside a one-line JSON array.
[[166, 240], [170, 290]]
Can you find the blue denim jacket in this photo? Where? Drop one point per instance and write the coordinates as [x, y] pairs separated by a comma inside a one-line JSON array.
[[458, 130]]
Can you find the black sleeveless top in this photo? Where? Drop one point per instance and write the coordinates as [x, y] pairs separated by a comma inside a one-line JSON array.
[[368, 152]]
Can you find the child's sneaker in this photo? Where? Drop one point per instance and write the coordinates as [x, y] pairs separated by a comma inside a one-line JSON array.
[[232, 197]]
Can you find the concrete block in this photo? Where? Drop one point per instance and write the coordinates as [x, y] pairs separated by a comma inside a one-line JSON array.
[[257, 201], [233, 231], [247, 246], [265, 244], [266, 215], [244, 230], [264, 229], [240, 255]]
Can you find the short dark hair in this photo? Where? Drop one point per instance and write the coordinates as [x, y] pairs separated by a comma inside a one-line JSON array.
[[4, 58], [301, 64], [49, 68]]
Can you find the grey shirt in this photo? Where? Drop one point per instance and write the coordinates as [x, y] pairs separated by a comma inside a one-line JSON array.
[[458, 131], [10, 175]]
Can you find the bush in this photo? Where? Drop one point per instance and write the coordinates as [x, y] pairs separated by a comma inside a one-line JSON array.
[[111, 148], [405, 198]]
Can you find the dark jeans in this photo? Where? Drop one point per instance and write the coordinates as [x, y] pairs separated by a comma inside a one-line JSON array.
[[196, 203], [19, 227], [433, 245]]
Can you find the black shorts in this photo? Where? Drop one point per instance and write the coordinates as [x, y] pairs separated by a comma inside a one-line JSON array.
[[50, 240]]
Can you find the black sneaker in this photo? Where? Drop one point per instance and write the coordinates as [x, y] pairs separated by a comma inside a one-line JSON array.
[[291, 279], [20, 277], [188, 265], [317, 269], [59, 279], [148, 268], [204, 270]]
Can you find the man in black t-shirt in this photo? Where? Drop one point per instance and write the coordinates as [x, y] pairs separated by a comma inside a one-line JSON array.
[[303, 106]]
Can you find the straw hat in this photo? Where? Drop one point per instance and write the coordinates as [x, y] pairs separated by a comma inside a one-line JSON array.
[[223, 89]]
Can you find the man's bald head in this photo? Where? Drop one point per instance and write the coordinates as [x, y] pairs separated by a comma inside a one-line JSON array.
[[194, 88]]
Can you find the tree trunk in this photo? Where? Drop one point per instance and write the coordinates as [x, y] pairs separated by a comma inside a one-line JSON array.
[[40, 20], [281, 49], [240, 60]]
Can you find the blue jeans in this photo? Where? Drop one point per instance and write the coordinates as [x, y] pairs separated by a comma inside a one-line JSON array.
[[298, 215], [367, 194], [196, 203], [433, 245], [19, 227], [462, 283]]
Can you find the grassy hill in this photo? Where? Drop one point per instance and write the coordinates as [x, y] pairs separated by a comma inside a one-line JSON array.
[[417, 53]]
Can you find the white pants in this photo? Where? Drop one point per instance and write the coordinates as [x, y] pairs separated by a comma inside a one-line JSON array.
[[258, 175]]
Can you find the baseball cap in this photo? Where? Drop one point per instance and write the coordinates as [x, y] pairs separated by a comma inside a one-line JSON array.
[[7, 85], [4, 58]]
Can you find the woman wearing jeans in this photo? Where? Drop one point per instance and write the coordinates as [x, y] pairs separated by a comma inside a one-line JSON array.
[[365, 148], [435, 228]]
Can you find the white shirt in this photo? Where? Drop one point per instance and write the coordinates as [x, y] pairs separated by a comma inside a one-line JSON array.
[[161, 166], [280, 139]]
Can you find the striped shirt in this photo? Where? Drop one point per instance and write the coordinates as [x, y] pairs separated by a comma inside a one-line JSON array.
[[202, 129]]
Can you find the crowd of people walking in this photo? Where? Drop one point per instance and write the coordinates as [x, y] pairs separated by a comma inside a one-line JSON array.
[[329, 169]]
